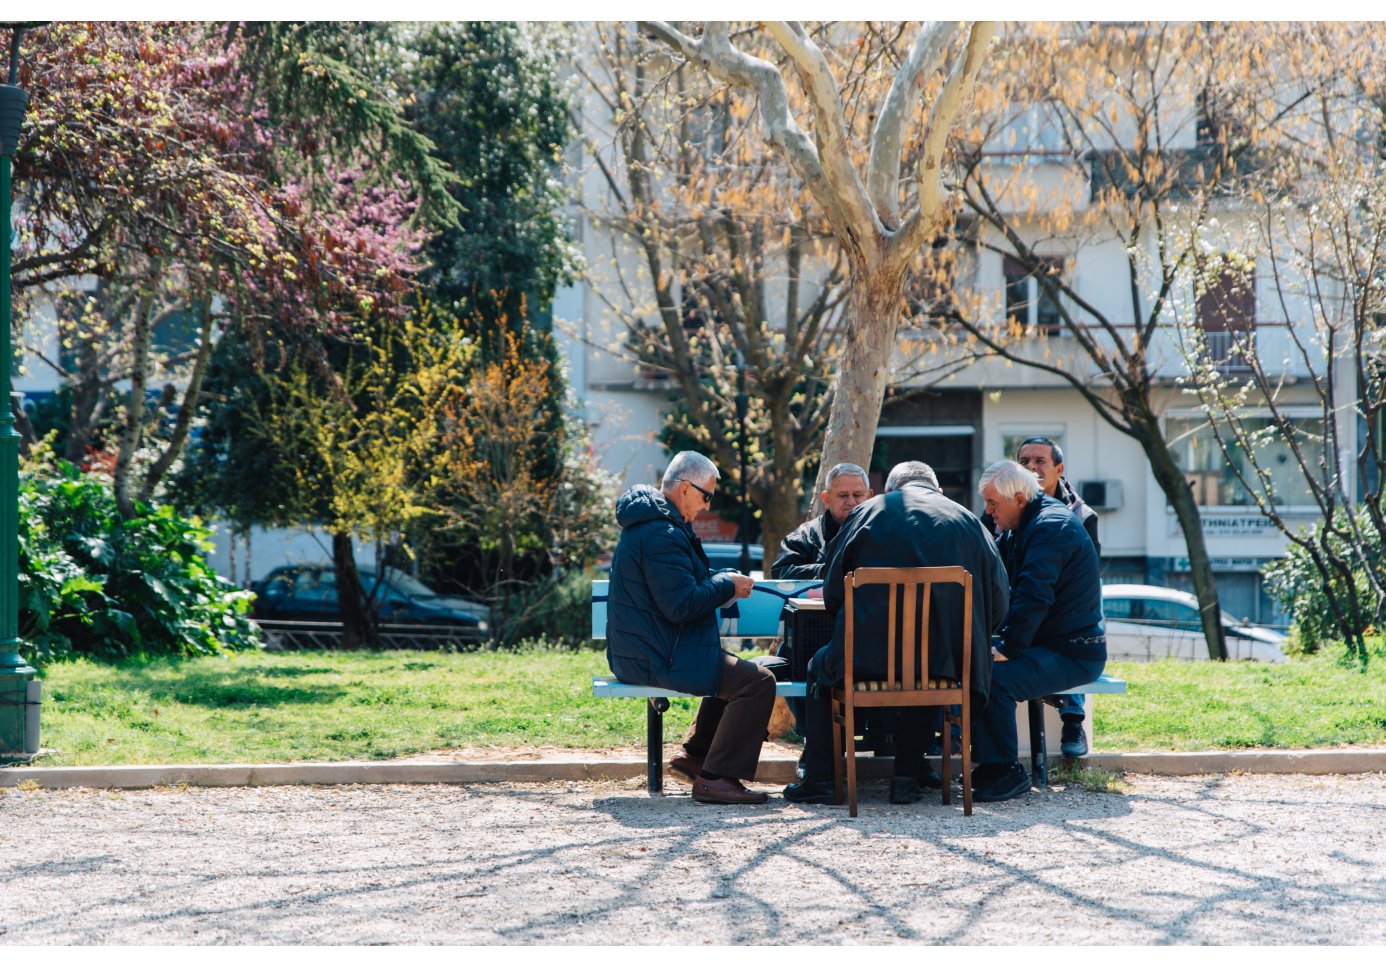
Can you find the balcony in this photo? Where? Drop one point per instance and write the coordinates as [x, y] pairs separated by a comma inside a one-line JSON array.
[[1225, 349]]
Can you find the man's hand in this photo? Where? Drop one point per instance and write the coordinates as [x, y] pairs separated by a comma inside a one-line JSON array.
[[997, 656], [745, 584]]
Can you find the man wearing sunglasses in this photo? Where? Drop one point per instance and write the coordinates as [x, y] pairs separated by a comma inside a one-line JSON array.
[[662, 629]]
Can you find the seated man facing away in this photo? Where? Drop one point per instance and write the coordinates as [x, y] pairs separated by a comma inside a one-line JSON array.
[[1052, 638], [912, 524], [661, 629], [804, 551]]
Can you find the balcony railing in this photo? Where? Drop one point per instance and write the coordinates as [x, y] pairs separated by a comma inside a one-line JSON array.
[[1225, 349]]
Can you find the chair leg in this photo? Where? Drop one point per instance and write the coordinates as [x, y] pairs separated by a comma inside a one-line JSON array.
[[946, 756], [967, 760], [849, 732], [839, 751]]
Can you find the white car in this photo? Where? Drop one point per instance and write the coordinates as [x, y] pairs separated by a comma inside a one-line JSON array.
[[1146, 622]]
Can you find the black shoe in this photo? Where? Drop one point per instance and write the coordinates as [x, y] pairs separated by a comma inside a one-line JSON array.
[[929, 778], [905, 789], [811, 791], [985, 774], [1014, 782], [1072, 742]]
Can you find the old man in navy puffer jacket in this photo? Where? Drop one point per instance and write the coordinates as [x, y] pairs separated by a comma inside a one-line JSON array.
[[661, 629]]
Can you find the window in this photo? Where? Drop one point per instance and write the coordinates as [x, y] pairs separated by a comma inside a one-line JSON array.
[[316, 586], [1170, 615], [1011, 439], [1028, 303], [1121, 609], [1214, 481]]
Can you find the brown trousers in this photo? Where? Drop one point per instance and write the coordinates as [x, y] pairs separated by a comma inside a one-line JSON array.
[[730, 728]]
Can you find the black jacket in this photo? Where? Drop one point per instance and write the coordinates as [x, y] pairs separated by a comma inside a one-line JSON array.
[[916, 526], [661, 612], [803, 552], [1056, 595]]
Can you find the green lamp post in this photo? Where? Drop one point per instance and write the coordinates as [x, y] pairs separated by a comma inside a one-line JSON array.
[[18, 735]]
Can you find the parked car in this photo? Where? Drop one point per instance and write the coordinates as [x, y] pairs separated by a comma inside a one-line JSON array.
[[720, 554], [308, 593], [1147, 622]]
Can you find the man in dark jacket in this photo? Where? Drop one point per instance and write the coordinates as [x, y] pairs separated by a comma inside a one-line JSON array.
[[1043, 457], [1052, 638], [661, 630], [803, 552], [912, 524]]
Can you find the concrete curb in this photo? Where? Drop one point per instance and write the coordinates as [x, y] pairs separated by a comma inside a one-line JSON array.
[[577, 768]]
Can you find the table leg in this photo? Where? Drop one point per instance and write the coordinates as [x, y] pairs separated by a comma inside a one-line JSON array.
[[1039, 751], [654, 742]]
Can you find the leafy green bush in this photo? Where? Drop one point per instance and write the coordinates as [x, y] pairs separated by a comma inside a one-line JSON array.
[[93, 584], [1296, 583]]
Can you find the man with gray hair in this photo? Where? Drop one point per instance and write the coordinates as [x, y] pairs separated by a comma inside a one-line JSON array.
[[662, 629], [1052, 638], [803, 552], [911, 525]]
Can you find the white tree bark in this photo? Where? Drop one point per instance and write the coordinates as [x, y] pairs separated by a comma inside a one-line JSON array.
[[866, 214]]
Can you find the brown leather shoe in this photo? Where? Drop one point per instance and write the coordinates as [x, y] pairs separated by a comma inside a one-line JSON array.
[[725, 790], [687, 767]]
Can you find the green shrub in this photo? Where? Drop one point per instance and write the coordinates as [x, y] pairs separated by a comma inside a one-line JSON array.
[[93, 584], [1296, 583]]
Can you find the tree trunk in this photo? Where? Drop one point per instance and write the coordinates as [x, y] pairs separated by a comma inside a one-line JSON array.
[[183, 423], [358, 629], [133, 430], [779, 515], [1176, 490], [864, 370]]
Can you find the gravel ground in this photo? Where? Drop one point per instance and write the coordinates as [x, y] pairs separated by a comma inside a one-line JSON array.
[[1215, 859]]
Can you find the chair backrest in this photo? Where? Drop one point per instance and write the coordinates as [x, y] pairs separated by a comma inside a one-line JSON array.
[[903, 591]]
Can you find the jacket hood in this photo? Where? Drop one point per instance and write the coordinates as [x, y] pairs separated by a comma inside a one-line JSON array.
[[644, 503], [1068, 494]]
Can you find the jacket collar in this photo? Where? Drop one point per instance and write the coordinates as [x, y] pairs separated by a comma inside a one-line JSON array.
[[1032, 509]]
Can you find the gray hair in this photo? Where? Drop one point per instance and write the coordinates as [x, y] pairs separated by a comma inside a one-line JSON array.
[[1008, 479], [907, 472], [688, 465], [844, 470]]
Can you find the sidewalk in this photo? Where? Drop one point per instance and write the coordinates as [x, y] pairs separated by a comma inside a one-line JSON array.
[[522, 766]]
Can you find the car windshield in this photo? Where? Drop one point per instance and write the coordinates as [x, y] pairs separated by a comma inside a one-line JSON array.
[[398, 581]]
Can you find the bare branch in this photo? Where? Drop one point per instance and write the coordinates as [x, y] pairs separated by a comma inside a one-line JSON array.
[[888, 137]]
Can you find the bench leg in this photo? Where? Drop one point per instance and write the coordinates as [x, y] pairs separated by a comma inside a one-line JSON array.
[[1039, 750], [654, 742]]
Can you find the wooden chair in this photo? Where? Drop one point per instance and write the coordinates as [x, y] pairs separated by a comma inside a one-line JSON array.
[[907, 681]]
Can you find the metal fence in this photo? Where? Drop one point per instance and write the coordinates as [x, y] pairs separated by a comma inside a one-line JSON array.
[[328, 635]]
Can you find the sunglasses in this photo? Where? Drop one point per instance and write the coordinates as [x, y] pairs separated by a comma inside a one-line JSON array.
[[707, 495]]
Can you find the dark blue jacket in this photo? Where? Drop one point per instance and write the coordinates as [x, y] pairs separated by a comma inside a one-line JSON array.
[[661, 611], [1056, 595]]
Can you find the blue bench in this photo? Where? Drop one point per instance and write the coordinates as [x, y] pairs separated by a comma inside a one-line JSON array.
[[759, 617]]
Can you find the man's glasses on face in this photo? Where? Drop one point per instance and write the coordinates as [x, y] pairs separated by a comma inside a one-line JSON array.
[[707, 495]]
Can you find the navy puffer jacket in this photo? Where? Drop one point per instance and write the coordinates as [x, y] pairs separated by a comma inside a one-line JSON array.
[[1056, 592], [661, 613]]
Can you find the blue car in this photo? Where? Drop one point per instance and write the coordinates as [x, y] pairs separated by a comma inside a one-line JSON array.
[[308, 593]]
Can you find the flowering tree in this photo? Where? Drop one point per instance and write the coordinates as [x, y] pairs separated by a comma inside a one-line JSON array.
[[151, 167]]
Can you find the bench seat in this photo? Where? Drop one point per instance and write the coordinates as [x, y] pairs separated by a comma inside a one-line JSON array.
[[609, 687]]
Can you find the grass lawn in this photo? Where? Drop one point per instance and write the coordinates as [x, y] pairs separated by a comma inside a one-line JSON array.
[[278, 706]]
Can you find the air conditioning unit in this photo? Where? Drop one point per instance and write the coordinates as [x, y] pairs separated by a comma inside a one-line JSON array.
[[1100, 495]]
